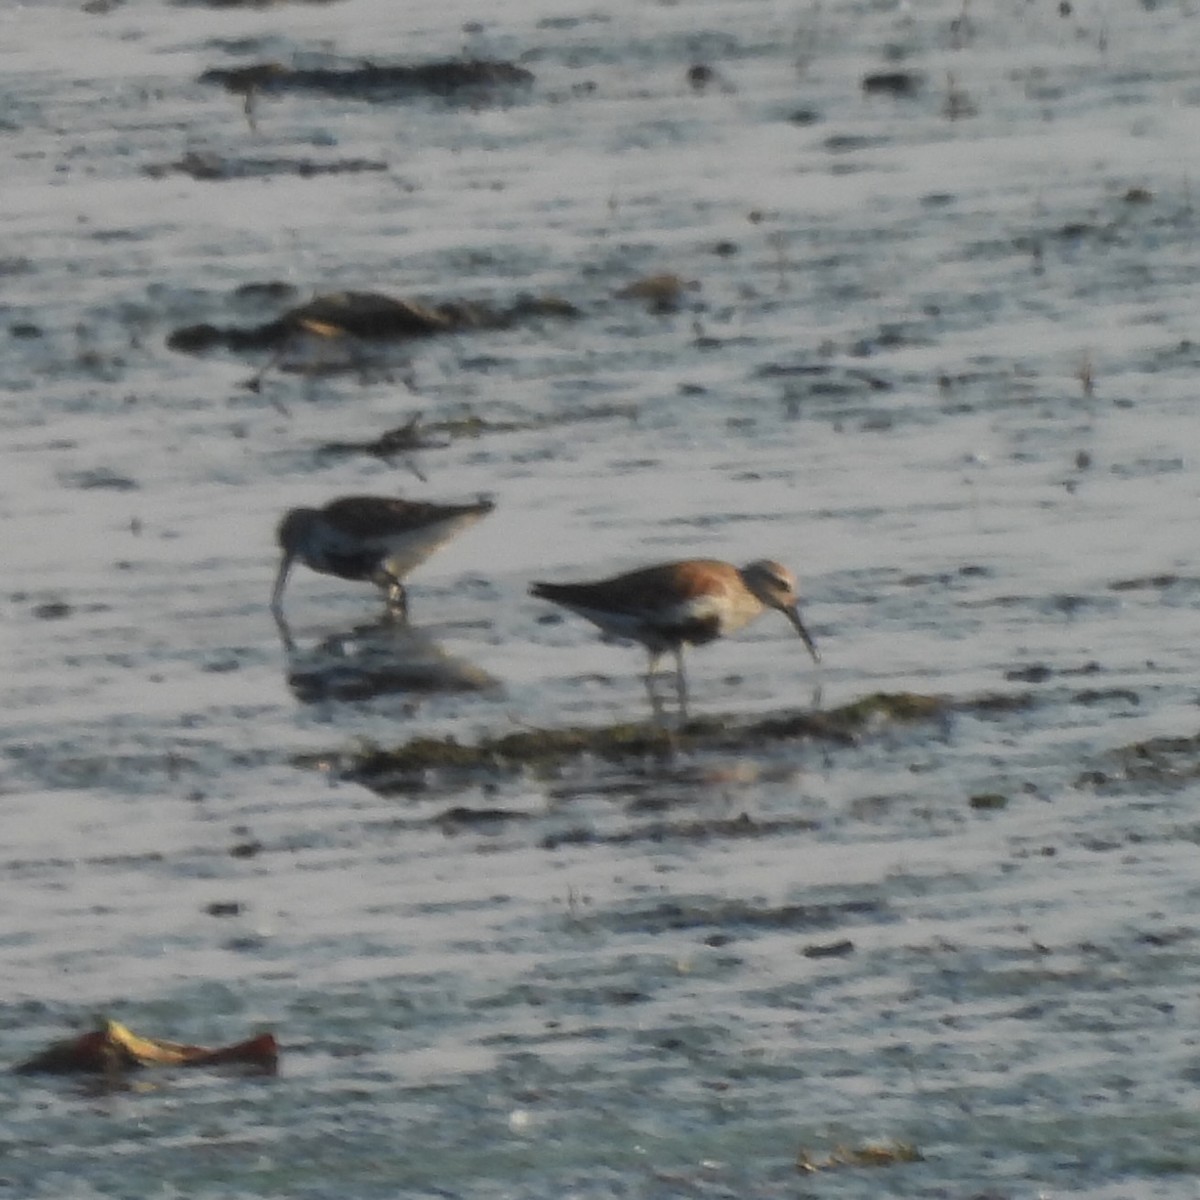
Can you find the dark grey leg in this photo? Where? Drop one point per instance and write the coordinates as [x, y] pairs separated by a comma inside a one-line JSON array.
[[681, 683], [651, 671], [285, 633]]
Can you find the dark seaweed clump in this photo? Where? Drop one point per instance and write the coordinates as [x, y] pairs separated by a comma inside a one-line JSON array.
[[1161, 764], [543, 750], [375, 82], [367, 316], [211, 167]]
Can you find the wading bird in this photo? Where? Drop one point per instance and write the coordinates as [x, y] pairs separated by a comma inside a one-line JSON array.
[[377, 539], [677, 604]]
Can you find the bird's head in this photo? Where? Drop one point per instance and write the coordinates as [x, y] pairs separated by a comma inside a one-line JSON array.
[[775, 586]]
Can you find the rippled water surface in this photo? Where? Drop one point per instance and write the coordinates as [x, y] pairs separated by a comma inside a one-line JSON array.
[[934, 344]]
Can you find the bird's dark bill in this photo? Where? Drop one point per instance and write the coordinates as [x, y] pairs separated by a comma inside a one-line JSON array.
[[793, 615]]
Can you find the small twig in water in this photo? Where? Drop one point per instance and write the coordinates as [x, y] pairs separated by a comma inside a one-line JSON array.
[[958, 102], [1086, 375]]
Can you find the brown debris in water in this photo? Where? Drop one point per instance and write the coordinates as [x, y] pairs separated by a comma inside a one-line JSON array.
[[367, 316], [662, 293], [113, 1049], [867, 1155]]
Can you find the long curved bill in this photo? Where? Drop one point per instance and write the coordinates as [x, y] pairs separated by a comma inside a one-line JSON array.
[[793, 615], [285, 565]]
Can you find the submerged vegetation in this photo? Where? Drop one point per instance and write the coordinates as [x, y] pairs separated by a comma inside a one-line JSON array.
[[402, 767], [870, 1155]]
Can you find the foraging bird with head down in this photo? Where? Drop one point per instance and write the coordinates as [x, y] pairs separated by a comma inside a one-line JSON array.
[[677, 604], [376, 539]]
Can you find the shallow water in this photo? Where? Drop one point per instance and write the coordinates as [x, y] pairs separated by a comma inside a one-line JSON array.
[[940, 359]]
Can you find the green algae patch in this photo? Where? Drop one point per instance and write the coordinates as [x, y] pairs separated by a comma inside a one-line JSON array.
[[844, 725], [413, 765], [538, 746], [533, 749], [421, 754], [847, 721]]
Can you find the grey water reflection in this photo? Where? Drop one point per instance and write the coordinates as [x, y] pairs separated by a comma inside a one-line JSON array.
[[381, 658]]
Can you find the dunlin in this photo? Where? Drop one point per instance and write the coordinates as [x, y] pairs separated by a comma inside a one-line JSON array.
[[677, 604], [379, 539]]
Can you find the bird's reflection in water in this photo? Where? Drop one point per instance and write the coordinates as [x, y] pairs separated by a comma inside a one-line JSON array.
[[379, 659]]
